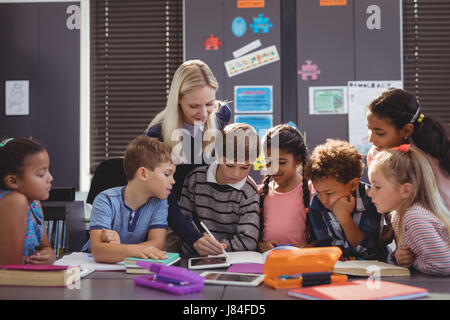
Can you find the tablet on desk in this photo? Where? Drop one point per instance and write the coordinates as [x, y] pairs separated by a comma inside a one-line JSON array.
[[232, 278], [208, 262]]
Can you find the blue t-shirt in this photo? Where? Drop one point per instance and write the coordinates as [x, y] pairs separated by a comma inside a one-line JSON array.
[[109, 211]]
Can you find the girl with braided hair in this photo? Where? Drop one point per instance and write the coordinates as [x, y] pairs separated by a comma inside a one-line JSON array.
[[284, 194]]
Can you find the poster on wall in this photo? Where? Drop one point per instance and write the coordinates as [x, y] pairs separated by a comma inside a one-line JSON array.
[[360, 94], [17, 98], [253, 99], [327, 100], [260, 122], [251, 61]]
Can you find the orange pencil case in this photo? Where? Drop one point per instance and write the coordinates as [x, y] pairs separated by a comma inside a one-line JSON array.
[[296, 262]]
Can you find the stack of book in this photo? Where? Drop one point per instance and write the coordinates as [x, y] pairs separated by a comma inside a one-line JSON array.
[[39, 275], [131, 267]]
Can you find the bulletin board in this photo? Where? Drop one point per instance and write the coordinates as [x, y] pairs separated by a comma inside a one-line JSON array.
[[339, 42], [335, 42], [240, 41]]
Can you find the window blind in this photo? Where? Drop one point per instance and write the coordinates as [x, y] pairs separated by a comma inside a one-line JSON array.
[[136, 46], [426, 55]]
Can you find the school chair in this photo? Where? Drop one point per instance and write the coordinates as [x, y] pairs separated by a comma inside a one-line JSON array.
[[64, 220], [108, 174]]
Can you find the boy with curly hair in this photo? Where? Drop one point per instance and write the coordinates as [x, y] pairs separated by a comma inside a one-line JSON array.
[[341, 213]]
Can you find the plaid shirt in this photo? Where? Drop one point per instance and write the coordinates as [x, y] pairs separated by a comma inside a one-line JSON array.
[[327, 231]]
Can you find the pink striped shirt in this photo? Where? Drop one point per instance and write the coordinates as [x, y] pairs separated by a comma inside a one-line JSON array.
[[428, 239]]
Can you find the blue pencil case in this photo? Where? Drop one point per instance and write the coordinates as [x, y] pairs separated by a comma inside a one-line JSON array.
[[169, 278]]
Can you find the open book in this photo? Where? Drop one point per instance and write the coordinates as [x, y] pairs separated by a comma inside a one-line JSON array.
[[253, 256], [251, 261], [369, 267]]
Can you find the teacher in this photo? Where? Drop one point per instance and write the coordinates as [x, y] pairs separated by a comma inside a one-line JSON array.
[[193, 108]]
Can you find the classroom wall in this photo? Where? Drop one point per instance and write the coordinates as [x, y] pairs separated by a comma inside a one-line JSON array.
[[352, 40], [234, 28], [40, 42], [338, 41], [334, 37]]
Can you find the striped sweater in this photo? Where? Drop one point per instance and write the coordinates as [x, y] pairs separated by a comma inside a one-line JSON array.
[[427, 237], [230, 214]]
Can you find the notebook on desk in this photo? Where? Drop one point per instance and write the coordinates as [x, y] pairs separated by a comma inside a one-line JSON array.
[[132, 267]]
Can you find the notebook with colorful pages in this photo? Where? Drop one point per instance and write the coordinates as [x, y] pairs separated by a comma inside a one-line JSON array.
[[132, 267], [39, 275], [369, 267], [360, 290]]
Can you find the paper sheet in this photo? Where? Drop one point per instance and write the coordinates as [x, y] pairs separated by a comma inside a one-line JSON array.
[[86, 261], [360, 94]]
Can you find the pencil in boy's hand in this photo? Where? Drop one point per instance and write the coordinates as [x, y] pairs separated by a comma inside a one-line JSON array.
[[209, 232]]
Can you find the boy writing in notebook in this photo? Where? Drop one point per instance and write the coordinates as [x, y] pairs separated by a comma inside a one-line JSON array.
[[341, 213], [222, 195], [131, 220]]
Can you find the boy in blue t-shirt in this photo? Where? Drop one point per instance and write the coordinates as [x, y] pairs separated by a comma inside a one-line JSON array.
[[131, 221]]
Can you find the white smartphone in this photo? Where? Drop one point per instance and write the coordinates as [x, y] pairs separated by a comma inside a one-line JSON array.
[[208, 262], [233, 278]]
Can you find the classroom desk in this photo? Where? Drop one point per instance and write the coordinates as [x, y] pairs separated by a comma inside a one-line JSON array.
[[120, 286], [113, 285]]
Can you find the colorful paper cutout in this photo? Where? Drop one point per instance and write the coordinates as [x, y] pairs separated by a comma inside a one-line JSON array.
[[259, 164], [261, 24], [292, 124], [309, 70], [239, 26], [212, 43]]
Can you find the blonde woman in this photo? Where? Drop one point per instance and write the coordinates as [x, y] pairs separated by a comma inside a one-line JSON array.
[[403, 182], [192, 110]]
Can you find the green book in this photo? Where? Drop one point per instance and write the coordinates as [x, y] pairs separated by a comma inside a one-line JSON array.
[[131, 267]]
